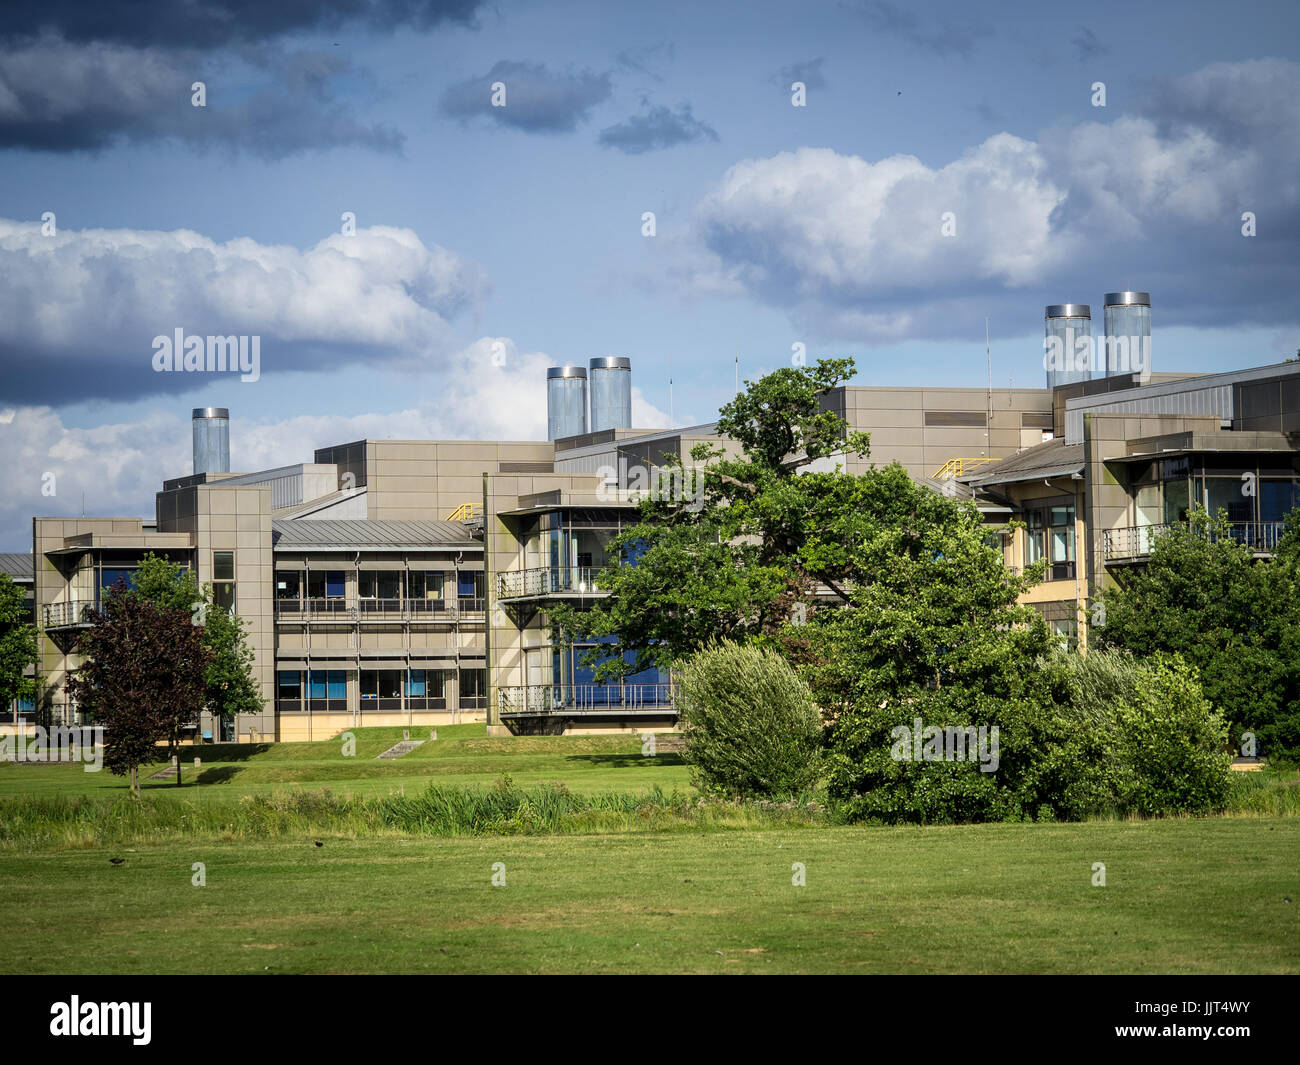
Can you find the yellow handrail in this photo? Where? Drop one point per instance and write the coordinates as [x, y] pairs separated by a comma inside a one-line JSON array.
[[466, 512], [958, 467]]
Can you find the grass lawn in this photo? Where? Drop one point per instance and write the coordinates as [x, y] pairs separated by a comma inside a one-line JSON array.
[[461, 755], [702, 896], [1185, 896]]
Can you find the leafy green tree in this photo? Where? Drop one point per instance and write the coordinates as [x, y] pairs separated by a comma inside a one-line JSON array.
[[142, 678], [933, 634], [731, 562], [1236, 620], [17, 644], [230, 687]]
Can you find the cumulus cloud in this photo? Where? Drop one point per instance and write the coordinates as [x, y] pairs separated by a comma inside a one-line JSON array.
[[537, 99], [79, 311], [656, 129], [489, 390], [858, 248]]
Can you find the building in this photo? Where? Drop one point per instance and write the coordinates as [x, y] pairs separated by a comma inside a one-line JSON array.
[[1127, 460], [407, 582]]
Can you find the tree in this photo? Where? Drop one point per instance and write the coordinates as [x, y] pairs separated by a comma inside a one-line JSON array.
[[1235, 620], [142, 678], [17, 644], [230, 688], [760, 537]]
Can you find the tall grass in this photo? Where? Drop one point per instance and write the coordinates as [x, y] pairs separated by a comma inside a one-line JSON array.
[[438, 810]]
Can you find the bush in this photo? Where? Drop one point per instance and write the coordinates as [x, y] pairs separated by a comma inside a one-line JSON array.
[[750, 727], [1100, 735]]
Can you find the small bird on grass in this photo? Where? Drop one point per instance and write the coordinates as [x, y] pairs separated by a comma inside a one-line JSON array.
[[319, 843], [117, 861]]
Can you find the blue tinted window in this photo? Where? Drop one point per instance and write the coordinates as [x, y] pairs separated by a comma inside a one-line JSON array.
[[334, 583], [415, 682], [465, 585], [338, 685], [317, 689]]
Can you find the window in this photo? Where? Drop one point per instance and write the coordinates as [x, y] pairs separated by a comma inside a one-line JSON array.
[[425, 584], [288, 584], [424, 689], [379, 590], [473, 689], [327, 584], [381, 689], [1051, 535], [288, 689], [223, 579], [327, 689]]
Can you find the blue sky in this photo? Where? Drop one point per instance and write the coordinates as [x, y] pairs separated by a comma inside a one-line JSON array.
[[522, 225]]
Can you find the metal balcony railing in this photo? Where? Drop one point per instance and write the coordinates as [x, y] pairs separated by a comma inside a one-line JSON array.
[[593, 699], [382, 610], [1134, 541], [547, 580], [67, 615]]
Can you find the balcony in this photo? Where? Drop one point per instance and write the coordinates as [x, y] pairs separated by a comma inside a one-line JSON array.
[[1133, 543], [547, 582], [70, 615], [386, 611], [591, 700]]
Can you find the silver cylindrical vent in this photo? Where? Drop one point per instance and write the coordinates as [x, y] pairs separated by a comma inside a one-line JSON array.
[[1067, 343], [566, 401], [611, 393], [211, 433], [1127, 341]]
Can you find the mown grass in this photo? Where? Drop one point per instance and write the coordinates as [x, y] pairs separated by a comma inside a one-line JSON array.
[[462, 755], [1181, 896]]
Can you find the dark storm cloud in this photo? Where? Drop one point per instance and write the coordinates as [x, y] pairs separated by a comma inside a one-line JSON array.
[[537, 100], [58, 96], [656, 129], [208, 24]]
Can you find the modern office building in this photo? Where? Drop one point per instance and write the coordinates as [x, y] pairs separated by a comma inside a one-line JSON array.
[[409, 582]]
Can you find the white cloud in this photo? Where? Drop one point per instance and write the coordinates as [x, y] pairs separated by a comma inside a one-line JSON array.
[[91, 302], [855, 248]]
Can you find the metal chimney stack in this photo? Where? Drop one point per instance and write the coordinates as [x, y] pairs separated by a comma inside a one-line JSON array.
[[1066, 323], [211, 433], [566, 401], [610, 385], [1128, 334]]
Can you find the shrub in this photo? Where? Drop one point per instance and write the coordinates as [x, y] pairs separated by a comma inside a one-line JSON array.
[[750, 727], [1105, 734]]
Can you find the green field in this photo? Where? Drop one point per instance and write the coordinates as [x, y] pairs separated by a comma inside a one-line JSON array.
[[461, 755], [1181, 896], [670, 887]]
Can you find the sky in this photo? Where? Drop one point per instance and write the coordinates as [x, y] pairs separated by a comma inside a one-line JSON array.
[[417, 206]]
